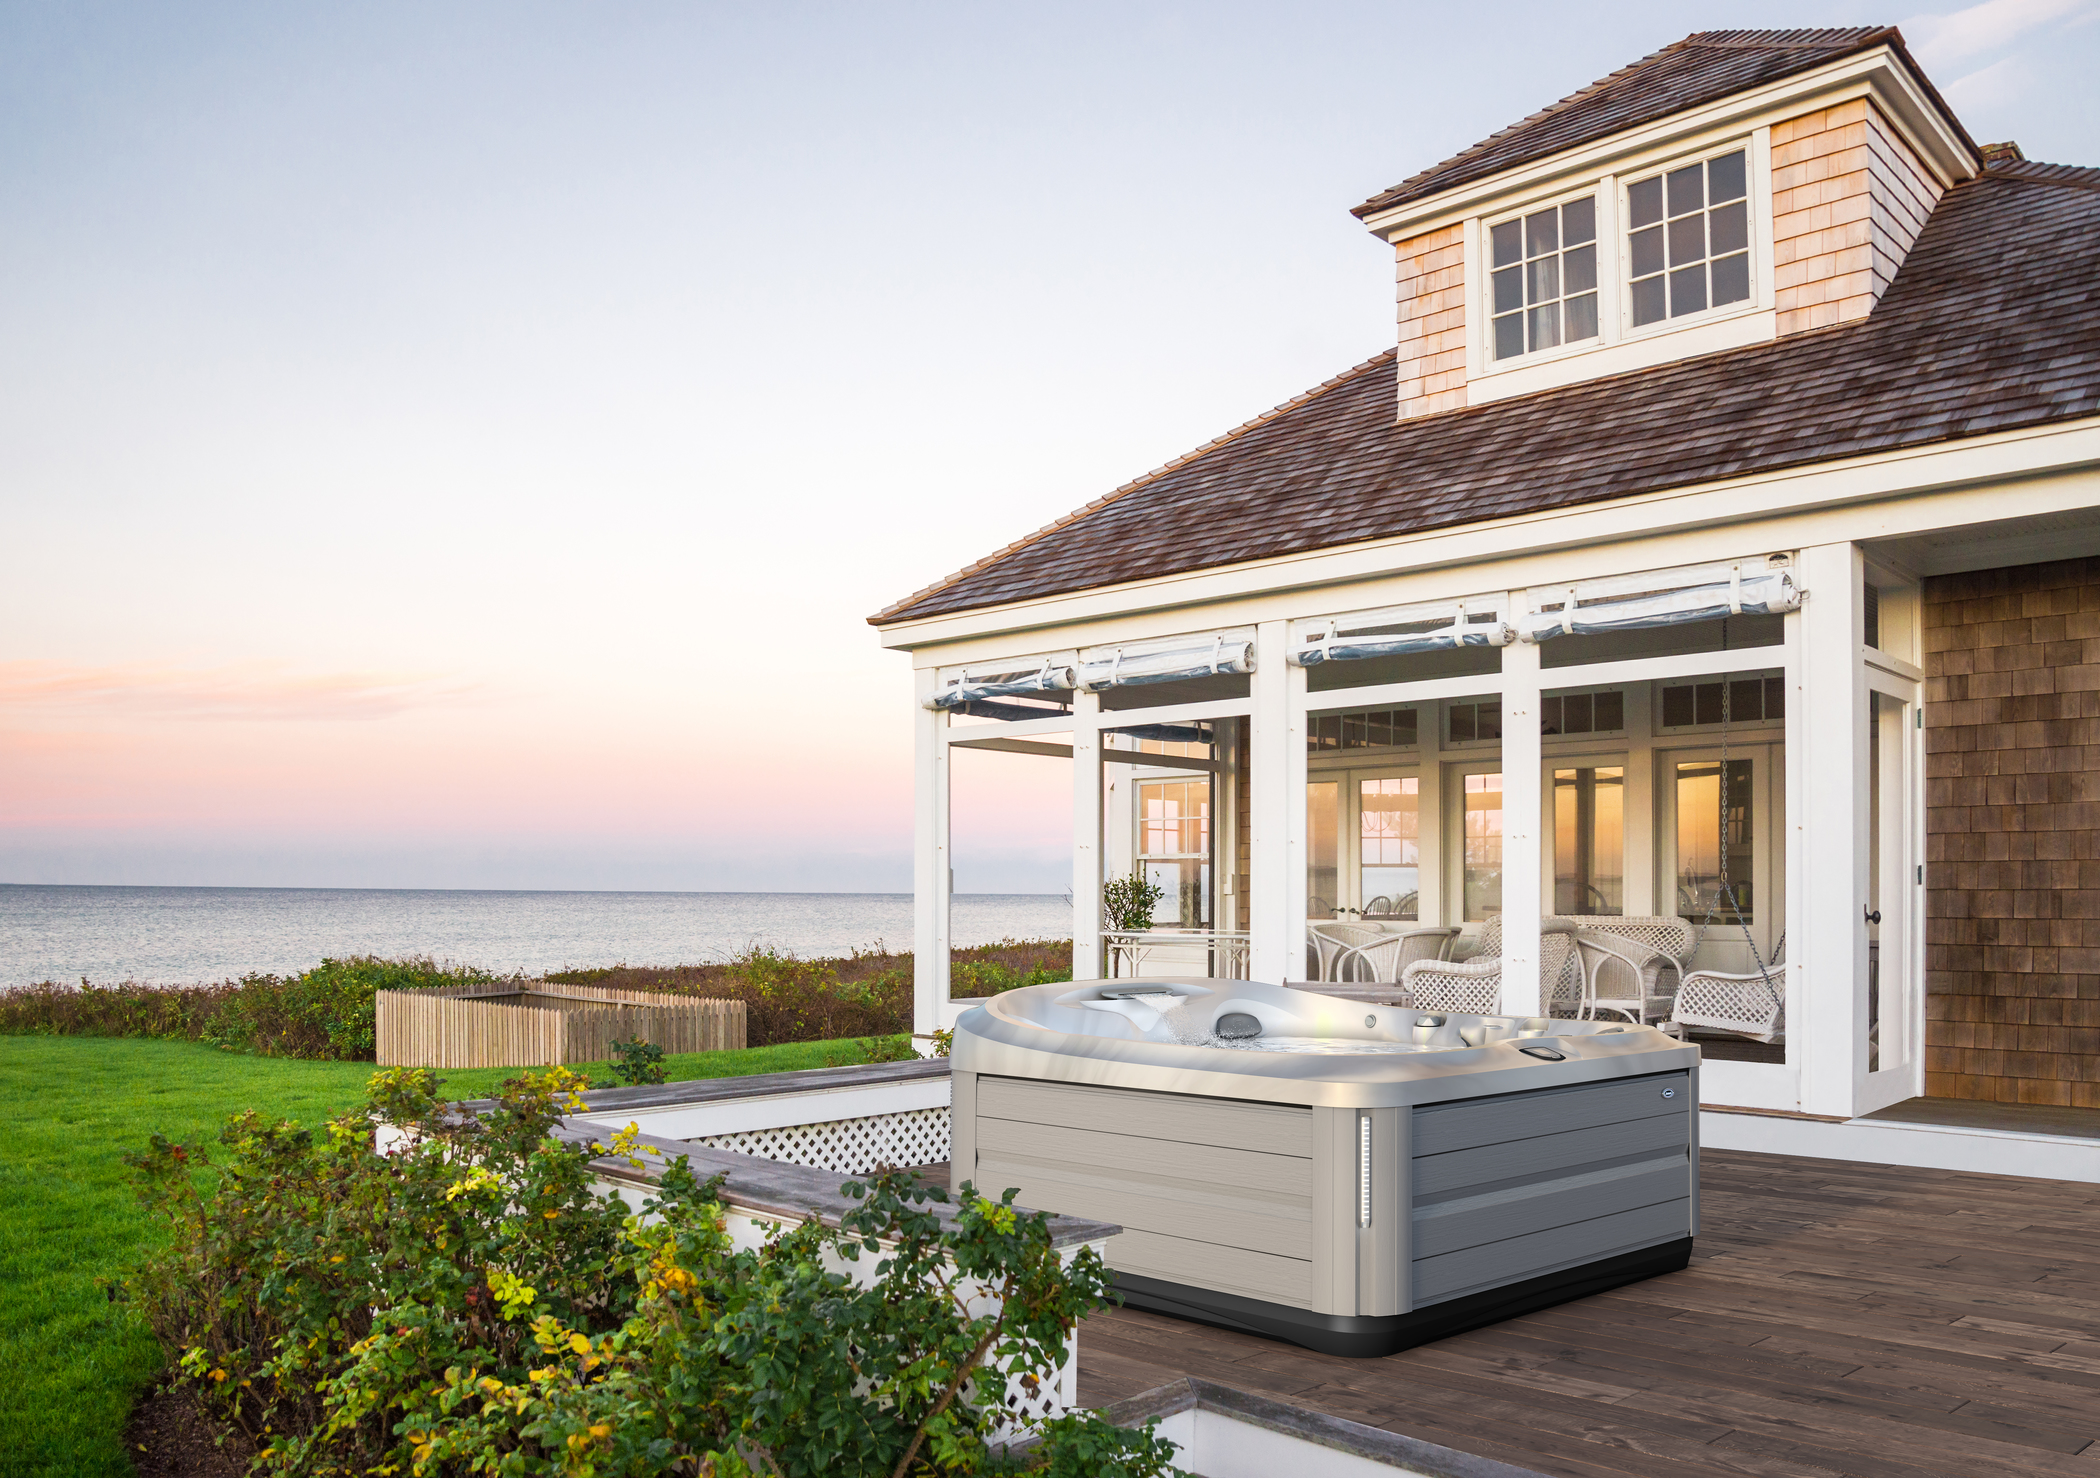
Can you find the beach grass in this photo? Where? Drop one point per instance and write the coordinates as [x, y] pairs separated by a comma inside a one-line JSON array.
[[75, 1105]]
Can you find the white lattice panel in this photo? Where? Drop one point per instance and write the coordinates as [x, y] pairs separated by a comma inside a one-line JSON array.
[[846, 1146]]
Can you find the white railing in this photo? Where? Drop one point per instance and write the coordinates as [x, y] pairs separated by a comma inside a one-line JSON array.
[[1138, 954]]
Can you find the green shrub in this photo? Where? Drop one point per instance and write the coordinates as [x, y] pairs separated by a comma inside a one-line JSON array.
[[328, 1012], [638, 1062], [468, 1304], [867, 1050], [868, 993]]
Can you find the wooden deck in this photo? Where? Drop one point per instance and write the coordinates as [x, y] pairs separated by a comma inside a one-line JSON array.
[[1837, 1318]]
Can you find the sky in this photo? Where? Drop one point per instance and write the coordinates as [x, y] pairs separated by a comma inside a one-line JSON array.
[[453, 445]]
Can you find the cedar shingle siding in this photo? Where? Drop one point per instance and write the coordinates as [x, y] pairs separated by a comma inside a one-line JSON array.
[[2012, 798]]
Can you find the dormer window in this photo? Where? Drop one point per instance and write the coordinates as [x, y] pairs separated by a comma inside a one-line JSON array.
[[1688, 239], [1544, 278]]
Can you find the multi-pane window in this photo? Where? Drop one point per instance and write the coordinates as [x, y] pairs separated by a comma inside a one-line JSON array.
[[1545, 278], [1392, 728], [1688, 241], [1389, 815], [1476, 721], [1735, 701], [1174, 848], [1582, 713]]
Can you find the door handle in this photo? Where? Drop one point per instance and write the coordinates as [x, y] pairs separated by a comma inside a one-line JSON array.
[[1873, 915]]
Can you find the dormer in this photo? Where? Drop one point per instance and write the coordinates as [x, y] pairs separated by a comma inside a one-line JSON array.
[[1731, 189]]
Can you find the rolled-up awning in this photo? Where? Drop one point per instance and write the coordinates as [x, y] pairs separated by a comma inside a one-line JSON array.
[[1400, 634], [1050, 677], [1165, 662], [1734, 593]]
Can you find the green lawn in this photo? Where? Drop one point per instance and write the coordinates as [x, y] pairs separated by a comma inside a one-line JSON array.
[[74, 1105]]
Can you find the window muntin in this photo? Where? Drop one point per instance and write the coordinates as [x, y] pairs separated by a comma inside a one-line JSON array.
[[1688, 239], [1543, 278]]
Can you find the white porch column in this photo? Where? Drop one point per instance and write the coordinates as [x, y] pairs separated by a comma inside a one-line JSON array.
[[1523, 807], [931, 877], [1639, 799], [1827, 943], [1087, 963], [1277, 811]]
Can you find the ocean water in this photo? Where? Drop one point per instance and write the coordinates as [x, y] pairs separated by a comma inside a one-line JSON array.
[[184, 935]]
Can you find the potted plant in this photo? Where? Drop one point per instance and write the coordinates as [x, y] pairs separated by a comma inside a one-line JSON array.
[[1127, 903]]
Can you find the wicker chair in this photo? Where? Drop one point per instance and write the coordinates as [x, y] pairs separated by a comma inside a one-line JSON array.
[[1387, 957], [1360, 954], [1330, 941], [1568, 991], [1475, 985], [1631, 966], [1744, 1004]]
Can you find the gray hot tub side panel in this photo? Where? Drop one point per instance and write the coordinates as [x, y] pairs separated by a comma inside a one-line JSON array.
[[1506, 1189]]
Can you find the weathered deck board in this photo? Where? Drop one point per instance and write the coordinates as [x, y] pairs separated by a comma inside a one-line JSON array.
[[1837, 1318]]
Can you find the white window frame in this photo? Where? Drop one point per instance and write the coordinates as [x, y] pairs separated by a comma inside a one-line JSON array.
[[1757, 199], [1142, 776], [1349, 834], [1598, 192], [1618, 349]]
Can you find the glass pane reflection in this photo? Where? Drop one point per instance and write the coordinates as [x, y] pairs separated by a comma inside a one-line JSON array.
[[1483, 847], [1589, 841]]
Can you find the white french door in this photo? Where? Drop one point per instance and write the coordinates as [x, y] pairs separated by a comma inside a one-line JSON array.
[[1363, 845], [1893, 919], [1719, 860]]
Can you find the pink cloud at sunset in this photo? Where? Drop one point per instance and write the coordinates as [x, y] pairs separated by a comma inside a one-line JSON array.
[[252, 691]]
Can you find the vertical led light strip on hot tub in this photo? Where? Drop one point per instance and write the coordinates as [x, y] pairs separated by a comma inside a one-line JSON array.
[[1363, 1170]]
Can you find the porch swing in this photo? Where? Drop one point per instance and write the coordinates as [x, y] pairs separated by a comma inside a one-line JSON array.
[[1748, 1005]]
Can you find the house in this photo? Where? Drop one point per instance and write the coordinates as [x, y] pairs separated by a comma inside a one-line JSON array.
[[1720, 540]]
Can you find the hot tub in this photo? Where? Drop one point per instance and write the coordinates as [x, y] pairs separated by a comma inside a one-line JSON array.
[[1357, 1179]]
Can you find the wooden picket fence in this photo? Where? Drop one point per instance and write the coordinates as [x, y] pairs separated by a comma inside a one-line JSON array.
[[541, 1025]]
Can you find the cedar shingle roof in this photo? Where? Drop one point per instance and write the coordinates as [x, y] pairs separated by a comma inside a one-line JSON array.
[[1992, 323], [1702, 68]]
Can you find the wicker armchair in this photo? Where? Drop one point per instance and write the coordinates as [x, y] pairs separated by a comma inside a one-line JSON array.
[[1356, 953], [1748, 1005], [1475, 985], [1624, 978], [1329, 942], [1631, 966]]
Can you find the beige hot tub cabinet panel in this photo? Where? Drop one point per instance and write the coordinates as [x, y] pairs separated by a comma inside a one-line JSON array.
[[1206, 1208]]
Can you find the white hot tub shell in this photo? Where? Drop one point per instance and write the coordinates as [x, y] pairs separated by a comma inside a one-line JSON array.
[[1357, 1179]]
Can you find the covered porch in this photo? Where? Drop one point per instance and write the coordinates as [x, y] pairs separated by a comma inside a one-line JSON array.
[[1736, 747]]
